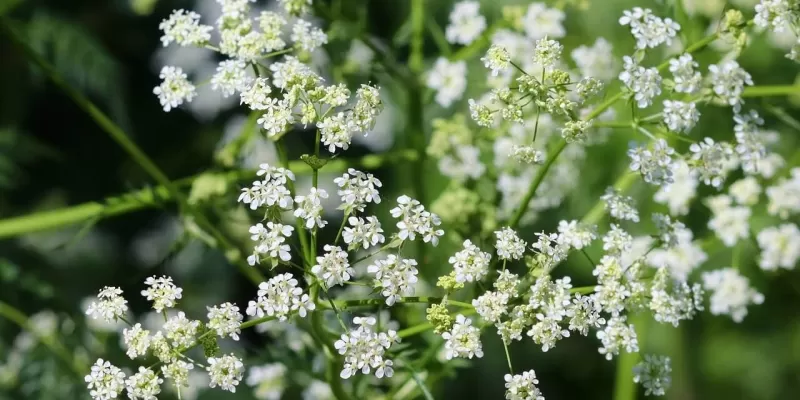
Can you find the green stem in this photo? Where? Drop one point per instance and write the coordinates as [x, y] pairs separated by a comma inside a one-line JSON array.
[[159, 195], [765, 91], [51, 341], [231, 252], [625, 387], [417, 35], [537, 180]]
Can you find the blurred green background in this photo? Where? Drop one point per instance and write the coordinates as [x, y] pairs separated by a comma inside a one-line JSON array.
[[52, 155]]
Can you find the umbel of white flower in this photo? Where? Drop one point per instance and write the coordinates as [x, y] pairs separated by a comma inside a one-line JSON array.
[[280, 297], [363, 349]]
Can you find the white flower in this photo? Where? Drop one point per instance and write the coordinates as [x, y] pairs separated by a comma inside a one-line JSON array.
[[575, 235], [110, 305], [310, 209], [178, 371], [463, 340], [647, 29], [162, 292], [547, 52], [491, 305], [277, 118], [174, 89], [497, 59], [268, 381], [308, 37], [225, 320], [595, 61], [279, 297], [363, 349], [522, 387], [256, 96], [363, 234], [619, 206], [231, 77], [730, 224], [681, 258], [654, 165], [318, 390], [527, 154], [541, 21], [680, 116], [144, 385], [466, 23], [448, 79], [137, 340], [271, 25], [617, 241], [687, 79], [181, 331], [357, 189], [780, 247], [678, 194], [509, 246], [394, 276], [270, 241], [470, 264], [184, 28], [745, 191], [616, 336], [415, 220], [295, 7], [710, 160], [775, 15], [225, 372], [749, 140], [644, 83], [783, 196], [105, 381], [728, 81], [731, 293], [333, 267], [653, 373]]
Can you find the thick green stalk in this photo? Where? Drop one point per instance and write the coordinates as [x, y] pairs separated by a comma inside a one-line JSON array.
[[415, 107], [231, 252], [50, 341]]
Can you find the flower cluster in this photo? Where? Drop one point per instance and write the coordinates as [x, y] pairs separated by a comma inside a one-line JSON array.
[[364, 349], [280, 297]]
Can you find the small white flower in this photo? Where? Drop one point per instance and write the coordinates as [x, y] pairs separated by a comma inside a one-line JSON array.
[[279, 297], [357, 189], [178, 371], [415, 220], [225, 320], [308, 37], [463, 340], [395, 277], [780, 247], [509, 246], [594, 61], [497, 59], [783, 196], [363, 234], [619, 206], [181, 331], [653, 373], [731, 293], [105, 381], [616, 336], [522, 386], [310, 209], [470, 264], [162, 292], [680, 116], [184, 28], [225, 372], [448, 79], [174, 89], [333, 267], [466, 23], [653, 164], [687, 79], [541, 21], [110, 305], [144, 385], [268, 381], [644, 83], [231, 77], [728, 81], [137, 340], [649, 30]]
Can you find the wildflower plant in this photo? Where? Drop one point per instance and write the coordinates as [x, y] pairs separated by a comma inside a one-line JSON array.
[[518, 113]]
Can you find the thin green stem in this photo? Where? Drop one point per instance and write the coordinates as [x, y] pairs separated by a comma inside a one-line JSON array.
[[625, 387], [774, 90], [299, 223], [537, 180]]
